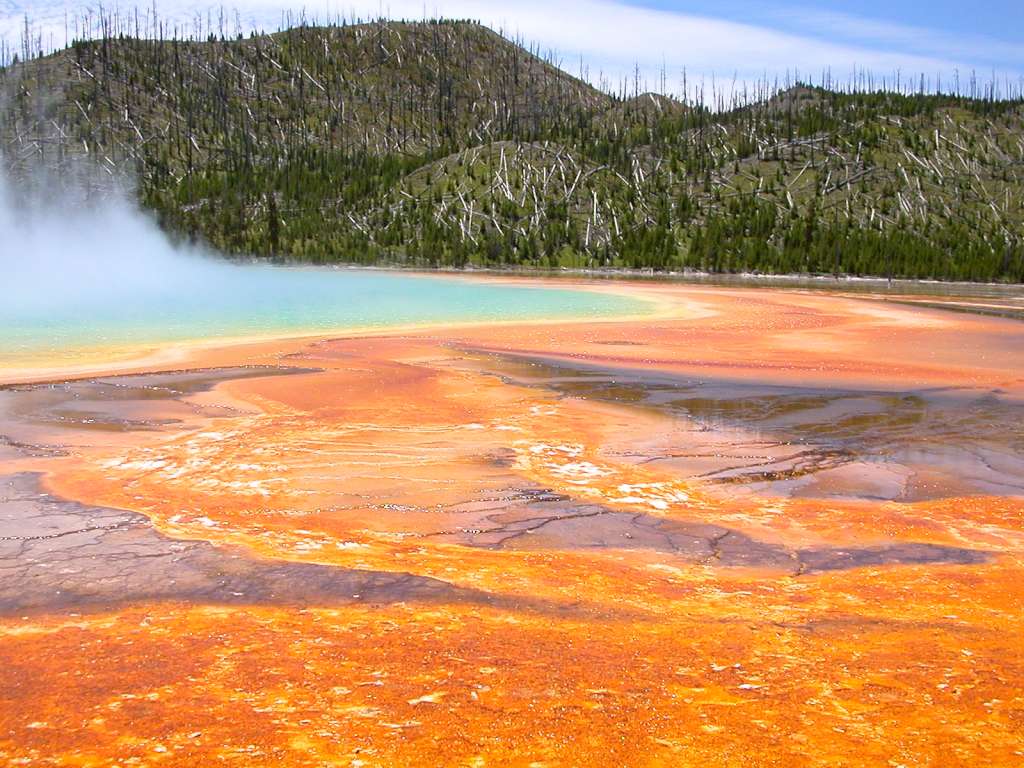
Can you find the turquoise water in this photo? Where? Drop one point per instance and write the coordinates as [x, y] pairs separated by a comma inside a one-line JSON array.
[[219, 300]]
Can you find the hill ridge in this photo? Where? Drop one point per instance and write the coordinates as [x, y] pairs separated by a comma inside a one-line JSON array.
[[443, 143]]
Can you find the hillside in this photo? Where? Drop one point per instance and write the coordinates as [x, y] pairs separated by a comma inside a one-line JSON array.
[[444, 143]]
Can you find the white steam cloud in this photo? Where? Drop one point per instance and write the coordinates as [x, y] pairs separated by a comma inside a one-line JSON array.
[[67, 245]]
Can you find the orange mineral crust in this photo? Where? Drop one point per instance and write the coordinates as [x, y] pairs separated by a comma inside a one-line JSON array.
[[757, 528]]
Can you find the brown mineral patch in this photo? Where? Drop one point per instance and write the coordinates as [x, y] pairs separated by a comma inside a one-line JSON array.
[[64, 556]]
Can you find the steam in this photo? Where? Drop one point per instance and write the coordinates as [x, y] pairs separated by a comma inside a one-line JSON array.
[[83, 267], [70, 245]]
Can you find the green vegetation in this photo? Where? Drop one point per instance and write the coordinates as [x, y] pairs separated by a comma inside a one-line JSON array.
[[443, 143]]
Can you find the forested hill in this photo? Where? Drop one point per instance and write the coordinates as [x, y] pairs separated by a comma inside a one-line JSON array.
[[443, 143]]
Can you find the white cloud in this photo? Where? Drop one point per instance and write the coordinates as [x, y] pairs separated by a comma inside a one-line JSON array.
[[978, 50], [613, 38]]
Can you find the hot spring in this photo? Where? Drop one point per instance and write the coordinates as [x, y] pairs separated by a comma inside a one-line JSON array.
[[82, 278]]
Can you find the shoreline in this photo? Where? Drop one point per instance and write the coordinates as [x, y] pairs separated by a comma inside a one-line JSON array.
[[170, 356], [672, 277], [662, 295]]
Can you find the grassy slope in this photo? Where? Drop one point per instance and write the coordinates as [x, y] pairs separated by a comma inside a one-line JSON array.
[[445, 143]]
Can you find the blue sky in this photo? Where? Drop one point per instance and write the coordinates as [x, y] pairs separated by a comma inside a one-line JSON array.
[[997, 18], [723, 41], [989, 27]]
